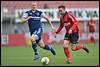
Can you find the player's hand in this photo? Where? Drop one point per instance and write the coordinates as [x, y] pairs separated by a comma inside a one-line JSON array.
[[30, 17], [70, 31], [23, 20], [54, 34]]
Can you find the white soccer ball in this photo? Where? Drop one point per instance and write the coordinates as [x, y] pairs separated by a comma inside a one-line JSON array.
[[45, 60]]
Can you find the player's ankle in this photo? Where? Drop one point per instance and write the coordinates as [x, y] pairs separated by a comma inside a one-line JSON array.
[[69, 59]]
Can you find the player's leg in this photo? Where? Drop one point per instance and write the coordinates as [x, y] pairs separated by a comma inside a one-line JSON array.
[[34, 46], [75, 45], [93, 38], [47, 47], [66, 51], [65, 45], [36, 37]]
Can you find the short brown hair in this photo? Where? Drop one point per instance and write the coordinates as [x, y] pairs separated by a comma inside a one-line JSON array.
[[61, 6]]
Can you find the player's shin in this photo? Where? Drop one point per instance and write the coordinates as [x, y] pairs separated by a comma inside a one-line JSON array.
[[67, 53], [34, 46], [48, 47], [93, 40]]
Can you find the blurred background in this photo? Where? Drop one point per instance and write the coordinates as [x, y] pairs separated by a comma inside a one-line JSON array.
[[15, 38], [12, 11]]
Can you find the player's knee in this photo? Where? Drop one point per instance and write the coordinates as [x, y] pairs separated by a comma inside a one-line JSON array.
[[41, 45], [65, 45], [73, 48], [34, 37]]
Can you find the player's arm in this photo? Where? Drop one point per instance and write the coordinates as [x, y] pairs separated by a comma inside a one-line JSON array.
[[75, 23], [48, 20], [59, 28], [25, 18]]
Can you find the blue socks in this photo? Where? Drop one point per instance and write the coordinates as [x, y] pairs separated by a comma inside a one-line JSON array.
[[34, 46], [47, 47]]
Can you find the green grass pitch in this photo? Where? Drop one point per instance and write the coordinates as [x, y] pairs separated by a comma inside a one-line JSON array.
[[23, 56]]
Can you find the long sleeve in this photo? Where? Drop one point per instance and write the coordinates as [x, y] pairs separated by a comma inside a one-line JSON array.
[[60, 27], [74, 21]]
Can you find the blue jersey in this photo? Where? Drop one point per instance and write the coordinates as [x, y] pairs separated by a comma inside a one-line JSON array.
[[35, 22]]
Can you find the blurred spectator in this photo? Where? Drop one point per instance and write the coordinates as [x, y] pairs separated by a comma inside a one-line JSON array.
[[17, 30], [45, 6]]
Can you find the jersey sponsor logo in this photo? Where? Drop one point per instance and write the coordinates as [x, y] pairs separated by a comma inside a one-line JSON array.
[[66, 24], [36, 18], [37, 14]]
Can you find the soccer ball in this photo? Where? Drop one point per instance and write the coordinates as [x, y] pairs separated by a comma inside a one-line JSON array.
[[45, 60]]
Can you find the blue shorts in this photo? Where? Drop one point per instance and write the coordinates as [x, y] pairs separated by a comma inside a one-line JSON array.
[[38, 32]]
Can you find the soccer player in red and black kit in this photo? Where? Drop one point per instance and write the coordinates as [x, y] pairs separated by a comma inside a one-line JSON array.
[[92, 27], [70, 23]]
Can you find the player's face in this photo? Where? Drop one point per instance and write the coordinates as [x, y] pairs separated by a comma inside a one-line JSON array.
[[61, 11], [34, 6]]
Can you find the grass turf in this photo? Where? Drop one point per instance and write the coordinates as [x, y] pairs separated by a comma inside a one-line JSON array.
[[23, 56]]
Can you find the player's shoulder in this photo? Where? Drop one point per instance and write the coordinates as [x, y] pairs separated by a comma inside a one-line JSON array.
[[70, 12], [39, 11], [92, 19], [28, 11]]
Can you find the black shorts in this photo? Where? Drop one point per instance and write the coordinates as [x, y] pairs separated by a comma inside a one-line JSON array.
[[73, 38]]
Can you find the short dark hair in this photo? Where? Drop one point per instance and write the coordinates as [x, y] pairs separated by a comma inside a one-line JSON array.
[[61, 6]]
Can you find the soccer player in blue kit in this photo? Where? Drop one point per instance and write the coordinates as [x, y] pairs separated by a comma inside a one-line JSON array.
[[33, 17]]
